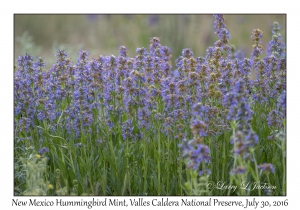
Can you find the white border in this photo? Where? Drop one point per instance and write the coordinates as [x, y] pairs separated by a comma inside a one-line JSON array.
[[8, 8]]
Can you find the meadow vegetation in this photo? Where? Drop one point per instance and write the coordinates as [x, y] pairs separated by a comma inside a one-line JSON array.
[[141, 125]]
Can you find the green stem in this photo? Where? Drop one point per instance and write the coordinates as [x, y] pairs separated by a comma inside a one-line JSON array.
[[158, 163], [256, 171]]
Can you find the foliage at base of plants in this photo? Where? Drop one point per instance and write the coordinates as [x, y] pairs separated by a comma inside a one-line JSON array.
[[120, 125]]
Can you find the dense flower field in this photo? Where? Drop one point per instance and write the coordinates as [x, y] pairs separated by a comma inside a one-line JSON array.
[[120, 125]]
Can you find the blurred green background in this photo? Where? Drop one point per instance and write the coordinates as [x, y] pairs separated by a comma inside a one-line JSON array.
[[43, 35]]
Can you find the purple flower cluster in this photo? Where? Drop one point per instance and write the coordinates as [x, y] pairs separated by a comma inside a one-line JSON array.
[[277, 116], [244, 142], [238, 170], [267, 168], [276, 46], [111, 88], [196, 155], [221, 30], [270, 71], [43, 151]]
